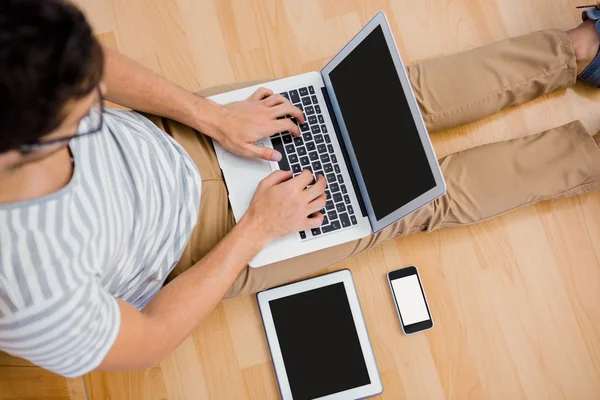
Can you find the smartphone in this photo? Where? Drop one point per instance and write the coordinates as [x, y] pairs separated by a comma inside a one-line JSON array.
[[410, 300]]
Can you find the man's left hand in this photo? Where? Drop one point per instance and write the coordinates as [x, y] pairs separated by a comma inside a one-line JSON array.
[[241, 124]]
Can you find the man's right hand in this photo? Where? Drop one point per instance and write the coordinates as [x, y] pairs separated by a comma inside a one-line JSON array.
[[282, 205]]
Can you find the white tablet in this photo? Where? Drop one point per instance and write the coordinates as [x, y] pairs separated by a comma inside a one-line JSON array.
[[318, 339]]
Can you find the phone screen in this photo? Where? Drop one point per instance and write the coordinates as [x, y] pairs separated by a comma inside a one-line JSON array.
[[410, 300]]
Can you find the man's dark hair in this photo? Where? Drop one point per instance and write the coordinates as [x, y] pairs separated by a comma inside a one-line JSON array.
[[48, 56]]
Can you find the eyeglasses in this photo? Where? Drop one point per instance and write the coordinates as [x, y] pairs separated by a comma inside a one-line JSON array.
[[91, 123]]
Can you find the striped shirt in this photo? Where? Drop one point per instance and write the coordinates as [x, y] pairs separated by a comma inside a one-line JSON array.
[[115, 231]]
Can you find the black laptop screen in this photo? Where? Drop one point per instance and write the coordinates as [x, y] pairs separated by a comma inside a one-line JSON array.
[[380, 126]]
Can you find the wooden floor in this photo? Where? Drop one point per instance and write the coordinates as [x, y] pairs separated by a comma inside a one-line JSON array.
[[516, 300]]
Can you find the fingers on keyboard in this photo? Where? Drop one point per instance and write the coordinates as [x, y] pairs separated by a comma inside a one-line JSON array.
[[311, 149]]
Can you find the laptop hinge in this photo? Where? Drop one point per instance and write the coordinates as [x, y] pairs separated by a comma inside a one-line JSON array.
[[344, 152]]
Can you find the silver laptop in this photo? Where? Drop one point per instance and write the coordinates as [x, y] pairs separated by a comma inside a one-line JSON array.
[[363, 132]]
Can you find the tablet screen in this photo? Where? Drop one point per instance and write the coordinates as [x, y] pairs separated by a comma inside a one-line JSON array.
[[319, 343]]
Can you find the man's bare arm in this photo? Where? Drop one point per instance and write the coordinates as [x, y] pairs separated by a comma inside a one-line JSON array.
[[279, 207], [147, 337], [132, 85], [237, 126]]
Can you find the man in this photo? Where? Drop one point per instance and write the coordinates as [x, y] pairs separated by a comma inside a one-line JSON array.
[[98, 207]]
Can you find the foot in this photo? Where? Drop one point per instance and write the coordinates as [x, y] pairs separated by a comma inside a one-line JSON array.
[[586, 43]]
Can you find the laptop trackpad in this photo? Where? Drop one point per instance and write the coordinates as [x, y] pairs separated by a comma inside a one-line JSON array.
[[243, 176]]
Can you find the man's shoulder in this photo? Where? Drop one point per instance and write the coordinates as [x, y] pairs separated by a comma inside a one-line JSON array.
[[19, 306]]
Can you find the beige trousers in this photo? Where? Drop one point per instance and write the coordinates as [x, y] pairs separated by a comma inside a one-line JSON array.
[[482, 182]]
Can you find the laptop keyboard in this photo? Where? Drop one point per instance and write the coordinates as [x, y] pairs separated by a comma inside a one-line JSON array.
[[314, 151]]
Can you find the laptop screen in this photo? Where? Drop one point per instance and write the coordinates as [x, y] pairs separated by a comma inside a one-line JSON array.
[[380, 126]]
